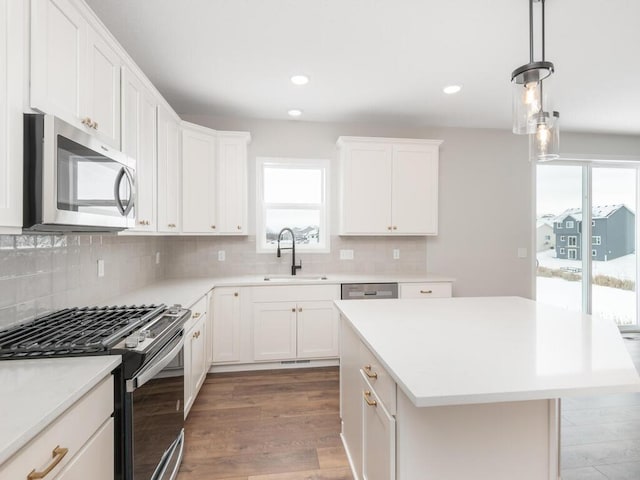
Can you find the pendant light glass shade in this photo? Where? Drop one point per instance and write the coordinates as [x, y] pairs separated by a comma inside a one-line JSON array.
[[544, 143], [528, 96]]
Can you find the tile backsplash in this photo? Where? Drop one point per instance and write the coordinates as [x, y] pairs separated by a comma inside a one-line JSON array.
[[198, 256], [40, 273]]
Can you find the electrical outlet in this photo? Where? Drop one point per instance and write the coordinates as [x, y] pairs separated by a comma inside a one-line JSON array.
[[396, 253], [222, 256], [157, 258], [346, 254], [100, 268]]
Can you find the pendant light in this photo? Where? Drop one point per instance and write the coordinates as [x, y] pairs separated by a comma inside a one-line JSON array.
[[528, 98], [544, 144]]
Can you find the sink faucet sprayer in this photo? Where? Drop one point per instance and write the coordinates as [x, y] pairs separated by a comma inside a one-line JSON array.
[[294, 267]]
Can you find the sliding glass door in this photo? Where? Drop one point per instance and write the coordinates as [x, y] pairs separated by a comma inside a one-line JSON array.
[[586, 239]]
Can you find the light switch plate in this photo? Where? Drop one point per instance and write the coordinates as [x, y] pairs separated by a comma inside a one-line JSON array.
[[157, 258], [100, 268], [222, 255], [396, 253]]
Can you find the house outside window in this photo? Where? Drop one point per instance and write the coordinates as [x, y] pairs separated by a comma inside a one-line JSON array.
[[573, 241], [596, 240], [559, 225], [562, 251], [569, 224], [547, 237], [594, 253], [292, 193], [563, 238]]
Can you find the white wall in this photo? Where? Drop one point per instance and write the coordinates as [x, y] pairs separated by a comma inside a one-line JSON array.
[[486, 191]]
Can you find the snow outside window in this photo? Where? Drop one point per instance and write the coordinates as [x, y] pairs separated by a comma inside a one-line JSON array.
[[292, 193]]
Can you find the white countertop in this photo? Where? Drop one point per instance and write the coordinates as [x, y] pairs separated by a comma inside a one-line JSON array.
[[33, 393], [187, 291], [451, 351]]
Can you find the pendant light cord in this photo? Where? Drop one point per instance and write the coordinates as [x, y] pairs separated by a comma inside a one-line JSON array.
[[530, 31], [542, 1]]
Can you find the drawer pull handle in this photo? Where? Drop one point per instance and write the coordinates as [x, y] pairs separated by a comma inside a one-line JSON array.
[[196, 315], [57, 455], [369, 400], [426, 291], [369, 373]]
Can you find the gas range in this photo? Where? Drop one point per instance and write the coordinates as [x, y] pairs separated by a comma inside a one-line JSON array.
[[150, 339]]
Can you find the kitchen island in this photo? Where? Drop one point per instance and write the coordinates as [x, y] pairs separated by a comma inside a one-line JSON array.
[[460, 388]]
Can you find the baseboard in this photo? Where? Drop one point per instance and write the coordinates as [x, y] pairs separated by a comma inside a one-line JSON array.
[[246, 367]]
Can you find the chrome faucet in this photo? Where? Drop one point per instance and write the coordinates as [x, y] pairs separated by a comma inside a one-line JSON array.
[[294, 267]]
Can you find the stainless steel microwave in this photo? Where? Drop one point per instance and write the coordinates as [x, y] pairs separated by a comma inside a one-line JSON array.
[[72, 182]]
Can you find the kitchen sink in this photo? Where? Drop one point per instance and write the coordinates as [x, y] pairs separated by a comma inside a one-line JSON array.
[[294, 278]]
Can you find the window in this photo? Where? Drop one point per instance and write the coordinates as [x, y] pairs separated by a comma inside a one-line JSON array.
[[596, 240], [559, 225], [573, 241], [572, 253], [292, 193], [562, 238], [569, 224], [593, 223], [593, 253], [547, 237], [562, 251]]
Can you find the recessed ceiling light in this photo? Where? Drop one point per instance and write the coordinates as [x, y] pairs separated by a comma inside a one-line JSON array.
[[450, 89], [294, 112], [299, 79]]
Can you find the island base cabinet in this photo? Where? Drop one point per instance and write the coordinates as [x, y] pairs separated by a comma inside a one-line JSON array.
[[497, 441], [378, 437]]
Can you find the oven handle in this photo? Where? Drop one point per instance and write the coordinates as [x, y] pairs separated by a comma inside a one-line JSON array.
[[166, 355], [161, 469], [174, 474]]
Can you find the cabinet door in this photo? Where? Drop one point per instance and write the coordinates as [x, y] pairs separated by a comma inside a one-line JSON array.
[[226, 325], [415, 189], [168, 172], [366, 188], [139, 144], [194, 355], [378, 438], [274, 331], [231, 185], [58, 58], [318, 324], [11, 80], [351, 395], [198, 181], [102, 95]]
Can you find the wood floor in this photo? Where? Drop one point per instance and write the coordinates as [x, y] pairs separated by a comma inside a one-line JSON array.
[[270, 425]]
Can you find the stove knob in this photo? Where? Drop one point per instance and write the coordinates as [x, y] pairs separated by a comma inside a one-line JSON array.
[[131, 341]]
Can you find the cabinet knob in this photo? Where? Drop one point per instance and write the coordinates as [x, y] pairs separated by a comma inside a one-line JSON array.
[[172, 225], [367, 398], [213, 227], [293, 309], [299, 309], [395, 227], [239, 227], [389, 228], [94, 125], [196, 315], [235, 294], [86, 121]]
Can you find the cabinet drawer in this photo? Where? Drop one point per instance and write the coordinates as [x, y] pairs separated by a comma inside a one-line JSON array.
[[95, 460], [71, 431], [383, 384], [198, 310], [425, 290]]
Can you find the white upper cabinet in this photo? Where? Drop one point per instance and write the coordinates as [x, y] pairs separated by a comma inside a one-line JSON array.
[[388, 186], [198, 179], [75, 74], [11, 81], [231, 184], [139, 144], [169, 169], [214, 181]]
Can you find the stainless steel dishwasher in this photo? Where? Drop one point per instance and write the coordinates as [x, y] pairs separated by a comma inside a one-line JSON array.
[[368, 291]]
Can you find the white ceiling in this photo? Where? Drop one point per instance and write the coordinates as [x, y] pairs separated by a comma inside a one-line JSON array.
[[383, 60]]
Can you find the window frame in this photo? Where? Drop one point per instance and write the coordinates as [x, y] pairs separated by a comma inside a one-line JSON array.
[[261, 207], [569, 224], [593, 239], [563, 238], [575, 241]]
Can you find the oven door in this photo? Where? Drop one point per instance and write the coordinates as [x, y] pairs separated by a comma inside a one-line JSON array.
[[156, 393]]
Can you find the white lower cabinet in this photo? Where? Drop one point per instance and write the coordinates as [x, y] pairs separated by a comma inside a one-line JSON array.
[[195, 353], [295, 323], [378, 436], [226, 325], [77, 445]]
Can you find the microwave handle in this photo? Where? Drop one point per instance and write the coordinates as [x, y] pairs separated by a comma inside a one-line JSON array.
[[124, 172]]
